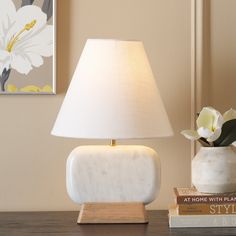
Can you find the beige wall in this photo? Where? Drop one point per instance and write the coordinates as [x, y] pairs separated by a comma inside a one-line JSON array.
[[32, 162], [222, 62]]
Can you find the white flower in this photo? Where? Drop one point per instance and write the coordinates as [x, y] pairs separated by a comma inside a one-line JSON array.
[[229, 115], [25, 37], [209, 124]]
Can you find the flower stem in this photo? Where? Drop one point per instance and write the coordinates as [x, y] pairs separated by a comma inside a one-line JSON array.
[[204, 142], [47, 8], [26, 2], [211, 144], [4, 78]]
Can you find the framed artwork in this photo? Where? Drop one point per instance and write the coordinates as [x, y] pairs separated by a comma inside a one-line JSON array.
[[27, 46]]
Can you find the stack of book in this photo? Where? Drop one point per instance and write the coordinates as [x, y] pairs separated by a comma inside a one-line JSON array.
[[195, 209]]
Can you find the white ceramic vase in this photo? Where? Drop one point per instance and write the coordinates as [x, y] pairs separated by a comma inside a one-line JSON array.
[[214, 170]]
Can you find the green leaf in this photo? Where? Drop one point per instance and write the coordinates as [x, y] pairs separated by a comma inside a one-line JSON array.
[[228, 134]]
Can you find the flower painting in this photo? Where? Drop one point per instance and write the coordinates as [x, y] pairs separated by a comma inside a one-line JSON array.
[[27, 47]]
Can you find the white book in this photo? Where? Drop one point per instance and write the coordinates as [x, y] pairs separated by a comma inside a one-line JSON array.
[[178, 221]]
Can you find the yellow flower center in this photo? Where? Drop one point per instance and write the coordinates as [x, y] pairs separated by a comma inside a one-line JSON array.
[[15, 38]]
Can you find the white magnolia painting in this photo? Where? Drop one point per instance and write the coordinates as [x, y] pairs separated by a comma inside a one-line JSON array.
[[27, 47]]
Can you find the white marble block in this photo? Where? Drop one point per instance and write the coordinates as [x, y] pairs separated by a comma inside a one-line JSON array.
[[113, 174]]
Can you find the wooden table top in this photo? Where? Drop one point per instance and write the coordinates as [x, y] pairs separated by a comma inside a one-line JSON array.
[[64, 223]]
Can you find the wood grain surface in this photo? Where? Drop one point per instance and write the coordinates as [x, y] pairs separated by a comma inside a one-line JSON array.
[[64, 223], [112, 213]]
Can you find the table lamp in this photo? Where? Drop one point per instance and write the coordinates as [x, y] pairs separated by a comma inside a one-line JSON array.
[[113, 95]]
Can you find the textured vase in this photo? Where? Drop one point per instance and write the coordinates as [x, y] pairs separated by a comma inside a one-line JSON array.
[[214, 170]]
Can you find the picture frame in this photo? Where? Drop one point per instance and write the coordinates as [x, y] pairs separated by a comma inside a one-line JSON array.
[[28, 47]]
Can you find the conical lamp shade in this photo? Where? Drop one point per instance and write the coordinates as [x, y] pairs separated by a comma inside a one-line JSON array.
[[112, 95]]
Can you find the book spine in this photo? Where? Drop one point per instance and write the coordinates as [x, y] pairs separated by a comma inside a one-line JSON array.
[[176, 221], [201, 199], [200, 221], [206, 209]]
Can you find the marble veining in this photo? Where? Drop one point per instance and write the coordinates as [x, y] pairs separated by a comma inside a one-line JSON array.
[[113, 174]]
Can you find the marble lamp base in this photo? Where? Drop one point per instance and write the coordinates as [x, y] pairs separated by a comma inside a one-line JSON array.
[[118, 179]]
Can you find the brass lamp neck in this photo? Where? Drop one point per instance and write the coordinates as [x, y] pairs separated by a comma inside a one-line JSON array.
[[113, 142]]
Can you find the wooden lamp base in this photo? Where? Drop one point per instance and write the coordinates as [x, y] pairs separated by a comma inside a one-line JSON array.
[[112, 213]]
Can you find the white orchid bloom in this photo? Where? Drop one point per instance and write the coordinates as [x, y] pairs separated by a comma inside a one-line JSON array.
[[25, 37], [209, 124], [229, 115]]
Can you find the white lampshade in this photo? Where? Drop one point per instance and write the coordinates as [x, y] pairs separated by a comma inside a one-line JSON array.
[[112, 95]]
